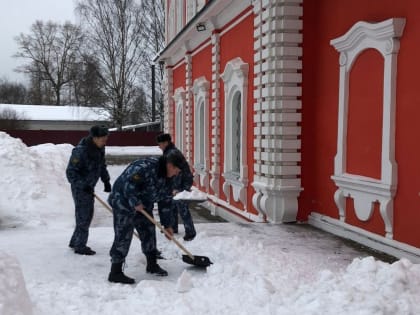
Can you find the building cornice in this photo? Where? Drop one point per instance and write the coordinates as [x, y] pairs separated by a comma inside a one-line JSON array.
[[215, 15]]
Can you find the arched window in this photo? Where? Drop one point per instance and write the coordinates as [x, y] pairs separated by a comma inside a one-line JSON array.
[[235, 172], [201, 129], [200, 135], [236, 134], [179, 130], [179, 98]]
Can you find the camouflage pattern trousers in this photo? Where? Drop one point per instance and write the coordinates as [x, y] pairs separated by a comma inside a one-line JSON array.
[[175, 207], [84, 213], [125, 221]]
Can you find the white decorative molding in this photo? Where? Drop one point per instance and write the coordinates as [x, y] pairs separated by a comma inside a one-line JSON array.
[[235, 78], [188, 108], [168, 101], [277, 93], [384, 37], [201, 126], [369, 239], [215, 114], [180, 101]]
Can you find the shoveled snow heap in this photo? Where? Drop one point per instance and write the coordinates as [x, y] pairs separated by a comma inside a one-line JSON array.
[[258, 268], [190, 195]]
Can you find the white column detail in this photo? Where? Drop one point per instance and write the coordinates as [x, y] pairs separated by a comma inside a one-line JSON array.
[[384, 37], [188, 108], [277, 82], [168, 111], [215, 114], [201, 98]]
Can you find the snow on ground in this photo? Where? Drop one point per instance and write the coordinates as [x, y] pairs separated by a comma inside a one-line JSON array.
[[129, 150], [258, 268]]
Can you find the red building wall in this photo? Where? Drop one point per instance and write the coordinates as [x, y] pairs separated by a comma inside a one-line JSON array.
[[328, 19], [239, 42]]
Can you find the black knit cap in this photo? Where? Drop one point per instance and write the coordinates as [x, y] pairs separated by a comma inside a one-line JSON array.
[[99, 131], [163, 137]]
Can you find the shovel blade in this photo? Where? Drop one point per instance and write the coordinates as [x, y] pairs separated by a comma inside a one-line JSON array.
[[199, 261]]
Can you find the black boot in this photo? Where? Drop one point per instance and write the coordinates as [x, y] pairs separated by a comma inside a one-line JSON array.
[[159, 254], [116, 275], [86, 250], [154, 268]]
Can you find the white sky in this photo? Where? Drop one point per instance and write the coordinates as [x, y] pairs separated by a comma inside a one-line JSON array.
[[258, 269], [17, 16]]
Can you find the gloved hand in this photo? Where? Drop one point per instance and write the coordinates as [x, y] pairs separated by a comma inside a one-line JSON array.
[[88, 189], [107, 187]]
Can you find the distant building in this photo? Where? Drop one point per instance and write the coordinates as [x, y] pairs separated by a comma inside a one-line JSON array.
[[40, 117], [293, 110]]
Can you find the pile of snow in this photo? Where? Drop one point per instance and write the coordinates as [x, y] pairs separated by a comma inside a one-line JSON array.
[[34, 185], [14, 299], [257, 268], [190, 195]]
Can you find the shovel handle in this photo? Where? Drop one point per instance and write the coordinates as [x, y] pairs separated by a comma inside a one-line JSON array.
[[151, 219], [107, 207]]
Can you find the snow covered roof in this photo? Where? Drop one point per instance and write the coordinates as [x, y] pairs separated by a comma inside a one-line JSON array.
[[62, 113]]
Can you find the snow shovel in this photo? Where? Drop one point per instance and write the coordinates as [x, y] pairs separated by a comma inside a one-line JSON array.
[[198, 261], [107, 207]]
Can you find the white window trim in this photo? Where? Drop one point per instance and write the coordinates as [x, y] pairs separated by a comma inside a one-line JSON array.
[[200, 91], [235, 78], [384, 37], [180, 103]]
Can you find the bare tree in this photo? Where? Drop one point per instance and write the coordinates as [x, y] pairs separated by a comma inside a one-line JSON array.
[[12, 93], [114, 33], [52, 49], [86, 84], [153, 32]]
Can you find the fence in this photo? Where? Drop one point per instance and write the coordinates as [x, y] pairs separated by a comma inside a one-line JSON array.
[[116, 138]]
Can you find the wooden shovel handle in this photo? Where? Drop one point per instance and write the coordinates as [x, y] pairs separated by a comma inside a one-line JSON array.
[[107, 207], [151, 219]]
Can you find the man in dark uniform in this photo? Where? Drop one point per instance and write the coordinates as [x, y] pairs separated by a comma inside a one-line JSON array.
[[141, 184], [182, 182], [85, 167]]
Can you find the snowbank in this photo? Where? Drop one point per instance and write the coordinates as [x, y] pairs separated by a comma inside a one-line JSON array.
[[14, 299], [34, 187]]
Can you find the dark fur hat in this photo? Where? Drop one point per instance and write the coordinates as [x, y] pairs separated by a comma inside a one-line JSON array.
[[99, 131], [163, 137]]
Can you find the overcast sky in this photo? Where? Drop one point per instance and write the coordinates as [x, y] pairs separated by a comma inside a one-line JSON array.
[[17, 16]]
